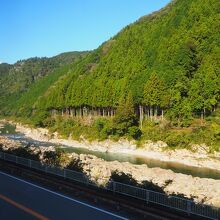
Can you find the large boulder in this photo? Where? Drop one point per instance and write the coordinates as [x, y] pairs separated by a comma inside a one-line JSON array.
[[155, 146]]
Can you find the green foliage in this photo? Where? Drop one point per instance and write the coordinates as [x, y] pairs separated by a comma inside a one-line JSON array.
[[181, 113], [67, 127], [162, 59], [177, 139], [100, 124], [54, 158], [216, 130], [104, 128], [134, 132], [39, 119], [22, 83], [125, 121], [155, 92], [168, 61], [184, 137], [99, 129]]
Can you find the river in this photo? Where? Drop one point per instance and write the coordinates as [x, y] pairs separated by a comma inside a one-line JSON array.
[[9, 131]]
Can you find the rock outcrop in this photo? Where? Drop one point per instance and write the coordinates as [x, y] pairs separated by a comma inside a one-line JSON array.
[[100, 171], [202, 190], [7, 143]]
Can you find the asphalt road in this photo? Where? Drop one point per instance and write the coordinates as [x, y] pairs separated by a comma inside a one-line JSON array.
[[21, 200]]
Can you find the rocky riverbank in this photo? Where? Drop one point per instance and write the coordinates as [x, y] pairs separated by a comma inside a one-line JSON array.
[[202, 190], [1, 125], [199, 157], [7, 143]]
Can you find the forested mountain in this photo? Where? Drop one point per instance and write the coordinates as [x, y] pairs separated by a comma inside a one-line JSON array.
[[169, 60], [17, 78], [163, 69], [4, 68]]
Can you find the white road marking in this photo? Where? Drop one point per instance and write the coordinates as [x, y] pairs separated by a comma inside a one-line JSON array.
[[66, 197]]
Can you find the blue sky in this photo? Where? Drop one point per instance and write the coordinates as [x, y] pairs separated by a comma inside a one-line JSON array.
[[48, 27]]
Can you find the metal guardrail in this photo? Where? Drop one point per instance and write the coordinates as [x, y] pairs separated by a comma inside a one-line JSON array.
[[172, 202]]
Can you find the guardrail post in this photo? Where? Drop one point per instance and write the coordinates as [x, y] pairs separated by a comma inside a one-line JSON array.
[[188, 207], [87, 180], [114, 186], [29, 162], [16, 159], [147, 196]]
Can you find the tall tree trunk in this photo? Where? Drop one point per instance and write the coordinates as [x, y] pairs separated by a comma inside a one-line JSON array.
[[155, 112], [80, 112], [112, 112], [148, 112], [151, 113], [201, 118], [203, 112], [90, 112], [141, 115], [85, 111], [76, 111], [214, 108]]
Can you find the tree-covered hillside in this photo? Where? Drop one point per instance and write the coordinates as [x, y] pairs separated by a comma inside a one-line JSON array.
[[157, 75], [16, 79], [4, 69], [169, 61]]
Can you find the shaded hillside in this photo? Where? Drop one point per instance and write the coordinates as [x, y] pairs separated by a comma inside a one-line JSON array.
[[4, 69], [16, 79]]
